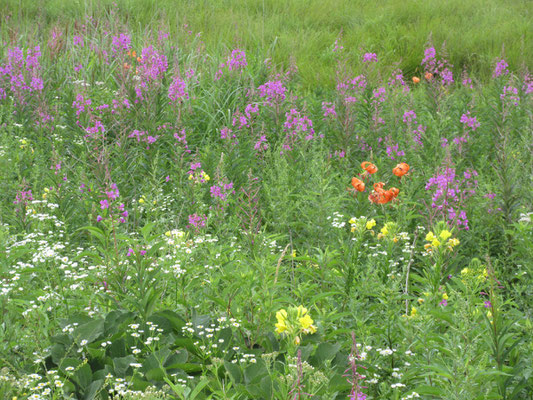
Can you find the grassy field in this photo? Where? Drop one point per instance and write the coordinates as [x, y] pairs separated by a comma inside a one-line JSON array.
[[475, 32], [231, 200]]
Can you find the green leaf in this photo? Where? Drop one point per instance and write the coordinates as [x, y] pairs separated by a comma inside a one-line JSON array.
[[325, 352], [234, 371], [122, 364], [89, 331], [84, 376], [93, 389]]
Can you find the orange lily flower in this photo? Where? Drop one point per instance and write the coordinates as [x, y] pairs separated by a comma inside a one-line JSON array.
[[378, 186], [428, 76], [358, 184], [400, 169], [394, 191], [416, 79], [369, 167], [380, 196]]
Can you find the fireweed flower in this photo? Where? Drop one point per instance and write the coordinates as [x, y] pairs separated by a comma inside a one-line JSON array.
[[500, 69], [417, 130], [510, 95], [236, 61], [273, 92], [450, 192], [121, 43], [197, 222], [370, 57], [329, 109], [177, 91]]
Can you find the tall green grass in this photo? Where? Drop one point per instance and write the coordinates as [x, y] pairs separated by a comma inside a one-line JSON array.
[[475, 32]]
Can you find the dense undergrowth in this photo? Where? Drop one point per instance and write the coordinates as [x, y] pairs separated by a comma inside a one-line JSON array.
[[176, 224]]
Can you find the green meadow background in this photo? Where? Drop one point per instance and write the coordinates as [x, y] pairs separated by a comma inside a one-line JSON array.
[[475, 32]]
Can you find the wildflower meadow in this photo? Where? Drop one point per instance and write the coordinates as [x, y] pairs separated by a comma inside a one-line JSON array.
[[180, 220]]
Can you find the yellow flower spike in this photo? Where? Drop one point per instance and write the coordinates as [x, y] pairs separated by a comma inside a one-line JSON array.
[[301, 311], [281, 315], [445, 234], [370, 224]]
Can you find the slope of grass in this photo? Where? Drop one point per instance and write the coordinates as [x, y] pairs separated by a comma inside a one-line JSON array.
[[475, 32]]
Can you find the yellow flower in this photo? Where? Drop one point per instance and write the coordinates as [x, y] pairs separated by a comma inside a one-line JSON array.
[[445, 234], [370, 224], [435, 243], [384, 230], [306, 321], [281, 325], [453, 242], [445, 296], [353, 229], [141, 200], [464, 271], [430, 237], [420, 300], [413, 311], [167, 233], [351, 221]]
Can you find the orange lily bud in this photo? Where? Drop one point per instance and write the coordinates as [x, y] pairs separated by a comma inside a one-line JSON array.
[[358, 184]]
